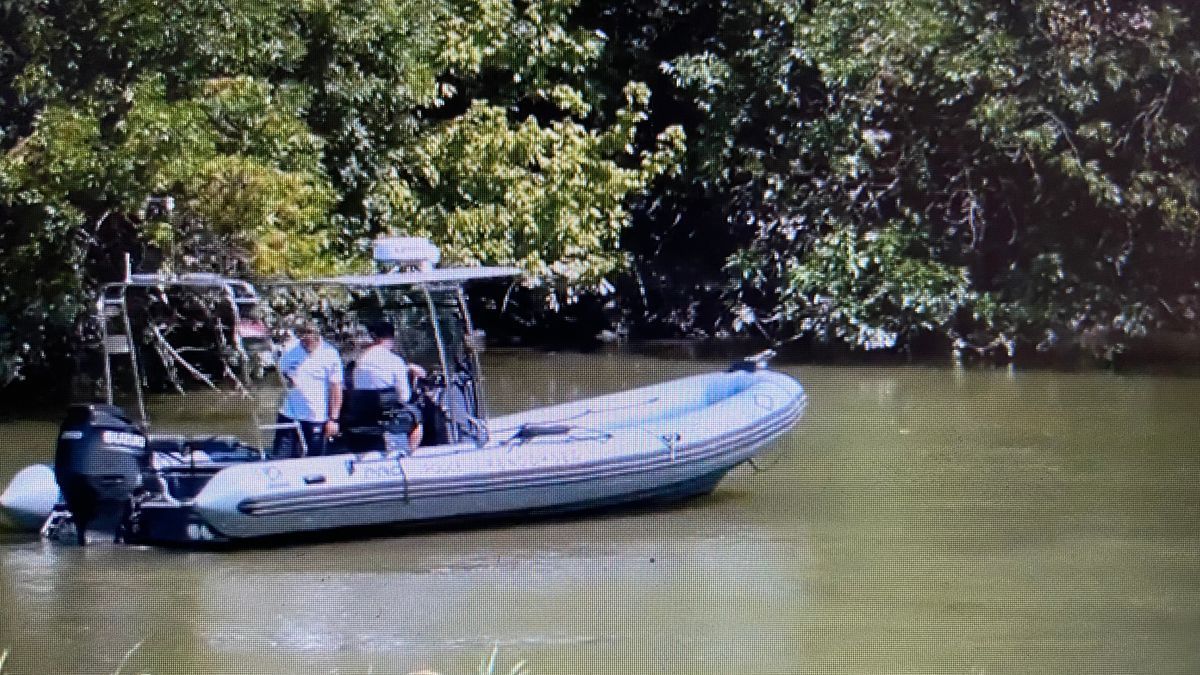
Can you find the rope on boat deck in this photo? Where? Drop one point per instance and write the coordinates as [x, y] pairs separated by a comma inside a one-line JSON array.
[[530, 432], [584, 413]]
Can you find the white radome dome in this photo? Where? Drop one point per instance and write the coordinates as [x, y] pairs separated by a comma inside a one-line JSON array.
[[407, 252]]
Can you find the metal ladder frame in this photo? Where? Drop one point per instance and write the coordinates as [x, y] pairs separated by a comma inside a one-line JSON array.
[[112, 305], [115, 344]]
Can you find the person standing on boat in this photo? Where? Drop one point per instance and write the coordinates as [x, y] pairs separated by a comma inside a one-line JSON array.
[[381, 369], [312, 373]]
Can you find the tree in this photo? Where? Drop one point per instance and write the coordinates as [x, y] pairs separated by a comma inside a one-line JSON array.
[[287, 135], [680, 234], [1021, 171]]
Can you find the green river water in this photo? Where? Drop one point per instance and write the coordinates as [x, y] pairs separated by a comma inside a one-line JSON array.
[[919, 520]]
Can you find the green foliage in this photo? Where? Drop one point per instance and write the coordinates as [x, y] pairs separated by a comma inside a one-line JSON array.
[[286, 135], [865, 171], [871, 291], [548, 198], [1042, 152]]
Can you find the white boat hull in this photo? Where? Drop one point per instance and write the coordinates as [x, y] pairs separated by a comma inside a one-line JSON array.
[[668, 441], [29, 497]]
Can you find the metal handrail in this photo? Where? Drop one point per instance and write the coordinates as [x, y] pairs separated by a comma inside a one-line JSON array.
[[295, 426]]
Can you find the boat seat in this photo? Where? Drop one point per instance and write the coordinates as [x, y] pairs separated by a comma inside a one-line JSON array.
[[186, 470], [172, 450], [168, 443], [168, 450], [185, 482], [227, 449], [362, 408]]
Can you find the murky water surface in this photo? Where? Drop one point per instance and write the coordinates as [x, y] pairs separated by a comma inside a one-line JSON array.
[[920, 520]]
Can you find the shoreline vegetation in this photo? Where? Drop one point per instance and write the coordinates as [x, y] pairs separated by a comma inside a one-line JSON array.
[[1179, 356], [1012, 182]]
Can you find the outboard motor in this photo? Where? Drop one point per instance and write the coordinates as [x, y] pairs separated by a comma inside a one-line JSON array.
[[98, 463]]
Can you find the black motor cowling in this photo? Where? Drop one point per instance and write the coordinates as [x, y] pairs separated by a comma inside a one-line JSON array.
[[98, 463]]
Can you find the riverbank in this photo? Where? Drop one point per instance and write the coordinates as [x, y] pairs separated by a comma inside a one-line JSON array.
[[1165, 353]]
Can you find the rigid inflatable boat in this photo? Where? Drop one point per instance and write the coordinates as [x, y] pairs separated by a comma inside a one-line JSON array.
[[113, 474]]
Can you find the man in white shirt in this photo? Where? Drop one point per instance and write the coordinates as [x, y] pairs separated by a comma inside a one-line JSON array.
[[312, 373], [380, 368]]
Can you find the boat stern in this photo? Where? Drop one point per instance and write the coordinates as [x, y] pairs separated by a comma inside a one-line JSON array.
[[165, 523]]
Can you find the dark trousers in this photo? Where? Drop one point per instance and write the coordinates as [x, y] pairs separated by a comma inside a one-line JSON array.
[[287, 443]]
